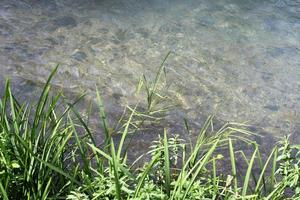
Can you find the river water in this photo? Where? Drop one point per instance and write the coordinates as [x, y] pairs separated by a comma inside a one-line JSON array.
[[236, 59]]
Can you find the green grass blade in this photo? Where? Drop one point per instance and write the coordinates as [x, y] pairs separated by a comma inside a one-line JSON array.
[[109, 158], [202, 163], [42, 101], [102, 153], [274, 168], [124, 134], [233, 166], [46, 190], [54, 168], [3, 192], [70, 105], [261, 165], [248, 173], [201, 137], [144, 175], [107, 135], [156, 81], [115, 165], [167, 164], [82, 150], [86, 128], [214, 174], [262, 173]]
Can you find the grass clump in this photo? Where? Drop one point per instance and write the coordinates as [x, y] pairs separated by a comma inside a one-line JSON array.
[[48, 151]]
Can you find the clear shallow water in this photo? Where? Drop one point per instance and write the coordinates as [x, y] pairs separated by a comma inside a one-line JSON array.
[[237, 59]]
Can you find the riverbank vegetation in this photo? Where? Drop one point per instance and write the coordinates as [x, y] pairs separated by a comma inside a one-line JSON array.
[[49, 151]]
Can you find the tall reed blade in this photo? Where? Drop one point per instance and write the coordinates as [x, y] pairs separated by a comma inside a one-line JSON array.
[[107, 136], [167, 164], [42, 101], [248, 173], [156, 81], [233, 165]]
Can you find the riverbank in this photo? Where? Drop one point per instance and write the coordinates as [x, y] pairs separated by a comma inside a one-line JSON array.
[[49, 151]]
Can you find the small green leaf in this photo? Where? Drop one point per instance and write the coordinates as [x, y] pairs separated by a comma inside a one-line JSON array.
[[15, 165]]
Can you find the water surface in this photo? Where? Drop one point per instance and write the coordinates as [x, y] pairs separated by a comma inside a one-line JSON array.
[[237, 59]]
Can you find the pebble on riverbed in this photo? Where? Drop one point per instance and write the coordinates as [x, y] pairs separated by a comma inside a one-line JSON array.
[[79, 56], [65, 21]]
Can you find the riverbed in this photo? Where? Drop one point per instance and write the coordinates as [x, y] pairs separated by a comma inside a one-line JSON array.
[[236, 59]]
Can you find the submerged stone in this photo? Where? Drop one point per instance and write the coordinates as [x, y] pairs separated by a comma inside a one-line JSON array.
[[143, 32], [117, 96], [121, 35], [79, 56], [103, 30], [65, 21], [206, 21], [267, 76], [272, 107], [95, 40]]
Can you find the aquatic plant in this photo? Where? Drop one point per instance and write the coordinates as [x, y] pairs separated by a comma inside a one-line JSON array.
[[48, 151]]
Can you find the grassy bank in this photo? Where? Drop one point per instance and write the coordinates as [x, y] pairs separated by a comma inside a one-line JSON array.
[[48, 151]]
